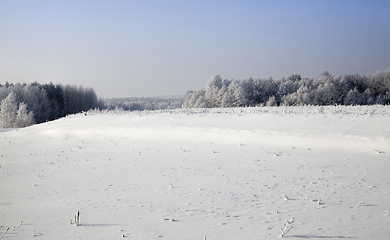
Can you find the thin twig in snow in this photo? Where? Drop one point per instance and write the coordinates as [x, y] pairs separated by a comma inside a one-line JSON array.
[[6, 230], [379, 151]]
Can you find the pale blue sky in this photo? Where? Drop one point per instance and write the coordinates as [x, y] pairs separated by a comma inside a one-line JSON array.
[[154, 48]]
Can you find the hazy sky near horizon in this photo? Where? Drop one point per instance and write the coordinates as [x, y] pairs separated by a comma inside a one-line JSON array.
[[155, 48]]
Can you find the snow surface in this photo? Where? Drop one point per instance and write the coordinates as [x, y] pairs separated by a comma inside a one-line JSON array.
[[234, 173]]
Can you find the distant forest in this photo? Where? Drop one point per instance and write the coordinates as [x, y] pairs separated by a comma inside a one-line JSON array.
[[25, 104], [326, 89], [140, 104]]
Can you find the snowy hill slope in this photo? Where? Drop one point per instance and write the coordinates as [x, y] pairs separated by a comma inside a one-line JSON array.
[[190, 173]]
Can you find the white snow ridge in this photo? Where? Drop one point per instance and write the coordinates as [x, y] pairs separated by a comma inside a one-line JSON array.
[[238, 173]]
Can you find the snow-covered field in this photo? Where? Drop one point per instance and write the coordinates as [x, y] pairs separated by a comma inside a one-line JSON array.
[[200, 174]]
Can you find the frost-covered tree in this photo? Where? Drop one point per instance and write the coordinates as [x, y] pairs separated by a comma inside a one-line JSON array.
[[37, 102], [289, 85], [195, 99], [249, 91], [326, 94], [379, 83], [213, 86], [368, 97], [8, 108], [188, 99], [271, 102], [263, 90], [353, 97], [224, 95], [12, 116], [237, 93], [201, 102], [304, 96], [23, 117]]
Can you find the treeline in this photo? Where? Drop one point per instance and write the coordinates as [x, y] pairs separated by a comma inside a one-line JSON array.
[[37, 103], [326, 89], [140, 104]]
